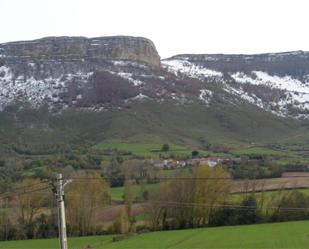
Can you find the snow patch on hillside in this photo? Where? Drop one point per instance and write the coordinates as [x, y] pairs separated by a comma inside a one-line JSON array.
[[140, 96], [5, 74], [296, 92], [129, 77], [122, 63], [262, 78], [205, 96], [253, 99], [33, 91], [189, 69]]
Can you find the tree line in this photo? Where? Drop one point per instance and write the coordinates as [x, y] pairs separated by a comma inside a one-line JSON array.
[[195, 197], [30, 213], [202, 198]]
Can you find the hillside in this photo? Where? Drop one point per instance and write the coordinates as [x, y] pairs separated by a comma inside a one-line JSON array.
[[58, 93], [276, 82], [276, 235], [39, 132]]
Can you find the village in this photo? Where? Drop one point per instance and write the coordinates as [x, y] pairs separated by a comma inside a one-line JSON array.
[[176, 164]]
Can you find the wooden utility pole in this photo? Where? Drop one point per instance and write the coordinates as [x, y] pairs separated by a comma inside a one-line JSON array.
[[59, 191]]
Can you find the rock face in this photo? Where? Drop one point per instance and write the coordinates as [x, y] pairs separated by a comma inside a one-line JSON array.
[[102, 48], [70, 71], [104, 72], [276, 82]]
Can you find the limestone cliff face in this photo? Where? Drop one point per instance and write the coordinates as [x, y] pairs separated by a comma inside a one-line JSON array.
[[124, 48], [102, 48], [108, 72], [75, 71]]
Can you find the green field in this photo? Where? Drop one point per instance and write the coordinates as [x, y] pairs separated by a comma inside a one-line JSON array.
[[144, 149], [288, 235], [259, 151], [74, 243], [117, 192]]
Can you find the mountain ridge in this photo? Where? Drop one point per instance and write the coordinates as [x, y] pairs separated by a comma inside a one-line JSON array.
[[184, 97], [61, 70]]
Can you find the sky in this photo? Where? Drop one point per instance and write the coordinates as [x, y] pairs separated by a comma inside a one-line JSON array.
[[175, 26]]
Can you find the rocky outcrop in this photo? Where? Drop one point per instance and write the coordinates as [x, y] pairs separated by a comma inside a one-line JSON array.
[[75, 71], [293, 63], [108, 72], [276, 82], [136, 49]]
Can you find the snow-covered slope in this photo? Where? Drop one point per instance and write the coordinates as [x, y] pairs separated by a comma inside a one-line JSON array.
[[99, 73], [275, 82]]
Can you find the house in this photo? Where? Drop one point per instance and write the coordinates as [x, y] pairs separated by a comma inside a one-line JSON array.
[[170, 164], [210, 161]]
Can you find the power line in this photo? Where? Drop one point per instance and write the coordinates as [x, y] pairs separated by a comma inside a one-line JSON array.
[[10, 194], [243, 207], [194, 178], [25, 187], [15, 190], [157, 178]]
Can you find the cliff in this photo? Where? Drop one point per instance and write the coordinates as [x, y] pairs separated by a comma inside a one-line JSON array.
[[102, 48]]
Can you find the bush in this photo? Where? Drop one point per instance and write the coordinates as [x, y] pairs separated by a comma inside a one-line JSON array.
[[194, 153], [115, 227], [287, 207], [248, 213], [165, 147]]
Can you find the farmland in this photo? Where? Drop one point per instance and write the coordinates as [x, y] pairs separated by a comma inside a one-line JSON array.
[[117, 192], [149, 149], [276, 235], [271, 185]]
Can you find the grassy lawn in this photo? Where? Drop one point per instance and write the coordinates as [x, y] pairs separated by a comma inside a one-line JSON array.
[[281, 154], [74, 243], [288, 235], [144, 149], [259, 151], [117, 192]]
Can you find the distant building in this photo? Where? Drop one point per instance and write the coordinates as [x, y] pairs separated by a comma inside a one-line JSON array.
[[170, 164], [175, 164], [210, 161]]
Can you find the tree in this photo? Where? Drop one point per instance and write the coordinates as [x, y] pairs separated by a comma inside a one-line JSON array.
[[135, 169], [31, 198], [194, 153], [205, 143], [223, 216], [5, 225], [165, 147], [156, 208], [249, 213], [290, 200], [113, 172], [189, 199], [128, 198], [211, 189], [84, 198], [139, 170], [45, 226]]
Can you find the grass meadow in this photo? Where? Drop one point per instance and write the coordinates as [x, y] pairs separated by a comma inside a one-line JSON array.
[[287, 235]]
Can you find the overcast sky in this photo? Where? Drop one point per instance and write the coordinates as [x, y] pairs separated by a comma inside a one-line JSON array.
[[175, 26]]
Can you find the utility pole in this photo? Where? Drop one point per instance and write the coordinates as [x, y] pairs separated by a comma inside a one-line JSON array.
[[7, 218], [59, 191]]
